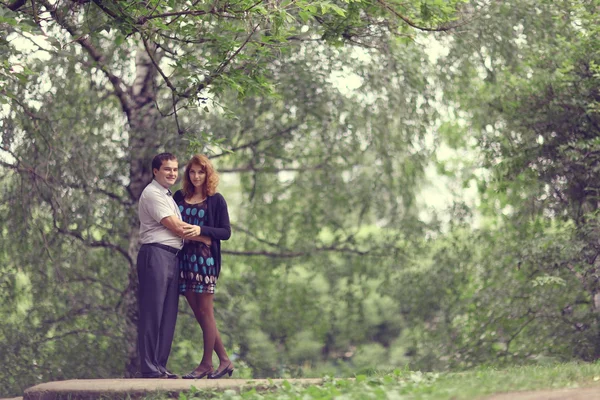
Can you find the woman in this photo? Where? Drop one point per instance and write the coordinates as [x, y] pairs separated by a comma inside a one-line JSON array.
[[200, 258]]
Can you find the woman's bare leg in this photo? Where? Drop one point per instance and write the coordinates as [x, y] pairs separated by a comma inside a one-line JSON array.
[[221, 353], [202, 306], [194, 302], [206, 304]]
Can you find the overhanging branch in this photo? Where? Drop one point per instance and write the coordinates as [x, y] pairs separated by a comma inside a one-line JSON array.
[[15, 5], [90, 243], [97, 56], [53, 182], [253, 143], [296, 254], [270, 170], [93, 243], [414, 25]]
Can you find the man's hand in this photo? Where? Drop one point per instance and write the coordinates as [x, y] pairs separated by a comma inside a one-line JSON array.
[[174, 224], [191, 231]]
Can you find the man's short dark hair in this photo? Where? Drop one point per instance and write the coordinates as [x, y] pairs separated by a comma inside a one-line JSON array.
[[160, 158]]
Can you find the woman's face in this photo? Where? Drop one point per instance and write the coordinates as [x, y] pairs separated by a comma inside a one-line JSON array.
[[197, 175]]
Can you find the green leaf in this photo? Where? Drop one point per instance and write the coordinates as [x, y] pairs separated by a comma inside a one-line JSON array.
[[54, 42], [8, 20], [338, 9], [305, 16]]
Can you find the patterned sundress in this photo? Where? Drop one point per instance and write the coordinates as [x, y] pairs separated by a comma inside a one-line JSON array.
[[197, 270]]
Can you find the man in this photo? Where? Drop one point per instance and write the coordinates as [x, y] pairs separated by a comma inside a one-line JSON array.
[[161, 232]]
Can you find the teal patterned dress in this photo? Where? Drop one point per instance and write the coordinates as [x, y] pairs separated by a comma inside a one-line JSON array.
[[197, 270]]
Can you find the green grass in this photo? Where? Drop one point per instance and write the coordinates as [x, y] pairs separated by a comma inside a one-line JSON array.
[[416, 385]]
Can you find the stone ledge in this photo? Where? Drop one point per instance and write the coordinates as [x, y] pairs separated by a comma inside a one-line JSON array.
[[88, 389]]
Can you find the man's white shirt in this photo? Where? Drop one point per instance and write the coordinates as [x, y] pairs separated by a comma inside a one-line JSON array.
[[155, 204]]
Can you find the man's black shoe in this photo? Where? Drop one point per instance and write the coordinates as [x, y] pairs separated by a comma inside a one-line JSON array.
[[155, 376], [169, 375]]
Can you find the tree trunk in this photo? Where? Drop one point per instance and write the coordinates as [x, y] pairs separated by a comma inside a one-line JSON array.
[[144, 141], [596, 307]]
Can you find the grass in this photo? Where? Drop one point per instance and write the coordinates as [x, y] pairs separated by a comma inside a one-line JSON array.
[[412, 385]]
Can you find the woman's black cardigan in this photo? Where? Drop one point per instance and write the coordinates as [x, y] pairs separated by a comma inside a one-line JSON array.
[[216, 224]]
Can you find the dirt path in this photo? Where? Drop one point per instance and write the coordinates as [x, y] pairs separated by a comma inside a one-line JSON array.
[[587, 393]]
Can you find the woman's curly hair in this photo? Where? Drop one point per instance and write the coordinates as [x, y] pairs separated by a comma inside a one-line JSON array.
[[212, 178]]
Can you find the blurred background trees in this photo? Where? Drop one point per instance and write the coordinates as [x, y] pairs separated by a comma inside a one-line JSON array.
[[328, 123]]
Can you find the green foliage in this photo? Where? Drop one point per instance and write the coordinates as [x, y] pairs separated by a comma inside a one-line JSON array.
[[300, 169], [530, 103], [219, 46], [331, 268], [417, 385]]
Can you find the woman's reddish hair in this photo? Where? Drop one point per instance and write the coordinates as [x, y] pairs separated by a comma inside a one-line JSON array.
[[212, 178]]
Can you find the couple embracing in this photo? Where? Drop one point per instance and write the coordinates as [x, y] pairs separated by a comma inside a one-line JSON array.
[[181, 237]]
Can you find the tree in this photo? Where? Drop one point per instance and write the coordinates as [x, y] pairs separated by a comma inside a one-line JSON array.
[[532, 70], [112, 84]]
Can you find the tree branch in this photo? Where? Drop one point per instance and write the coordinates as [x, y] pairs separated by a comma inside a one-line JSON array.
[[167, 81], [266, 253], [14, 167], [101, 6], [89, 279], [75, 313], [193, 13], [295, 254], [160, 71], [51, 182], [257, 141], [249, 233], [269, 170], [87, 242], [94, 243], [521, 328], [413, 24], [15, 5], [118, 85], [188, 41], [73, 332], [226, 62]]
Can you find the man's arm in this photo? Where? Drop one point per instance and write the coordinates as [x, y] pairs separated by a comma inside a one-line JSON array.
[[176, 225], [184, 230]]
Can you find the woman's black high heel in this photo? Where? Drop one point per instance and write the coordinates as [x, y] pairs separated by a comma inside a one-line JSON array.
[[194, 375], [220, 374]]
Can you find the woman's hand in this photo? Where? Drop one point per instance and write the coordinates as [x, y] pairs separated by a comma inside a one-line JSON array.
[[205, 239]]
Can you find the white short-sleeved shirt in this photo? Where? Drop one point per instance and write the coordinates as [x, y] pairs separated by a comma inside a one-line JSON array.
[[154, 205]]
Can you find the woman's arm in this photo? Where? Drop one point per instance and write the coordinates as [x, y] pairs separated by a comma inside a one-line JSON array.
[[204, 239], [223, 229]]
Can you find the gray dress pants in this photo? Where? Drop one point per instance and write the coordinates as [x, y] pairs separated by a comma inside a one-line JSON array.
[[158, 276]]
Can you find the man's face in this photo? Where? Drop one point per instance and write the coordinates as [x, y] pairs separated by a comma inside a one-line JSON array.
[[167, 174]]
